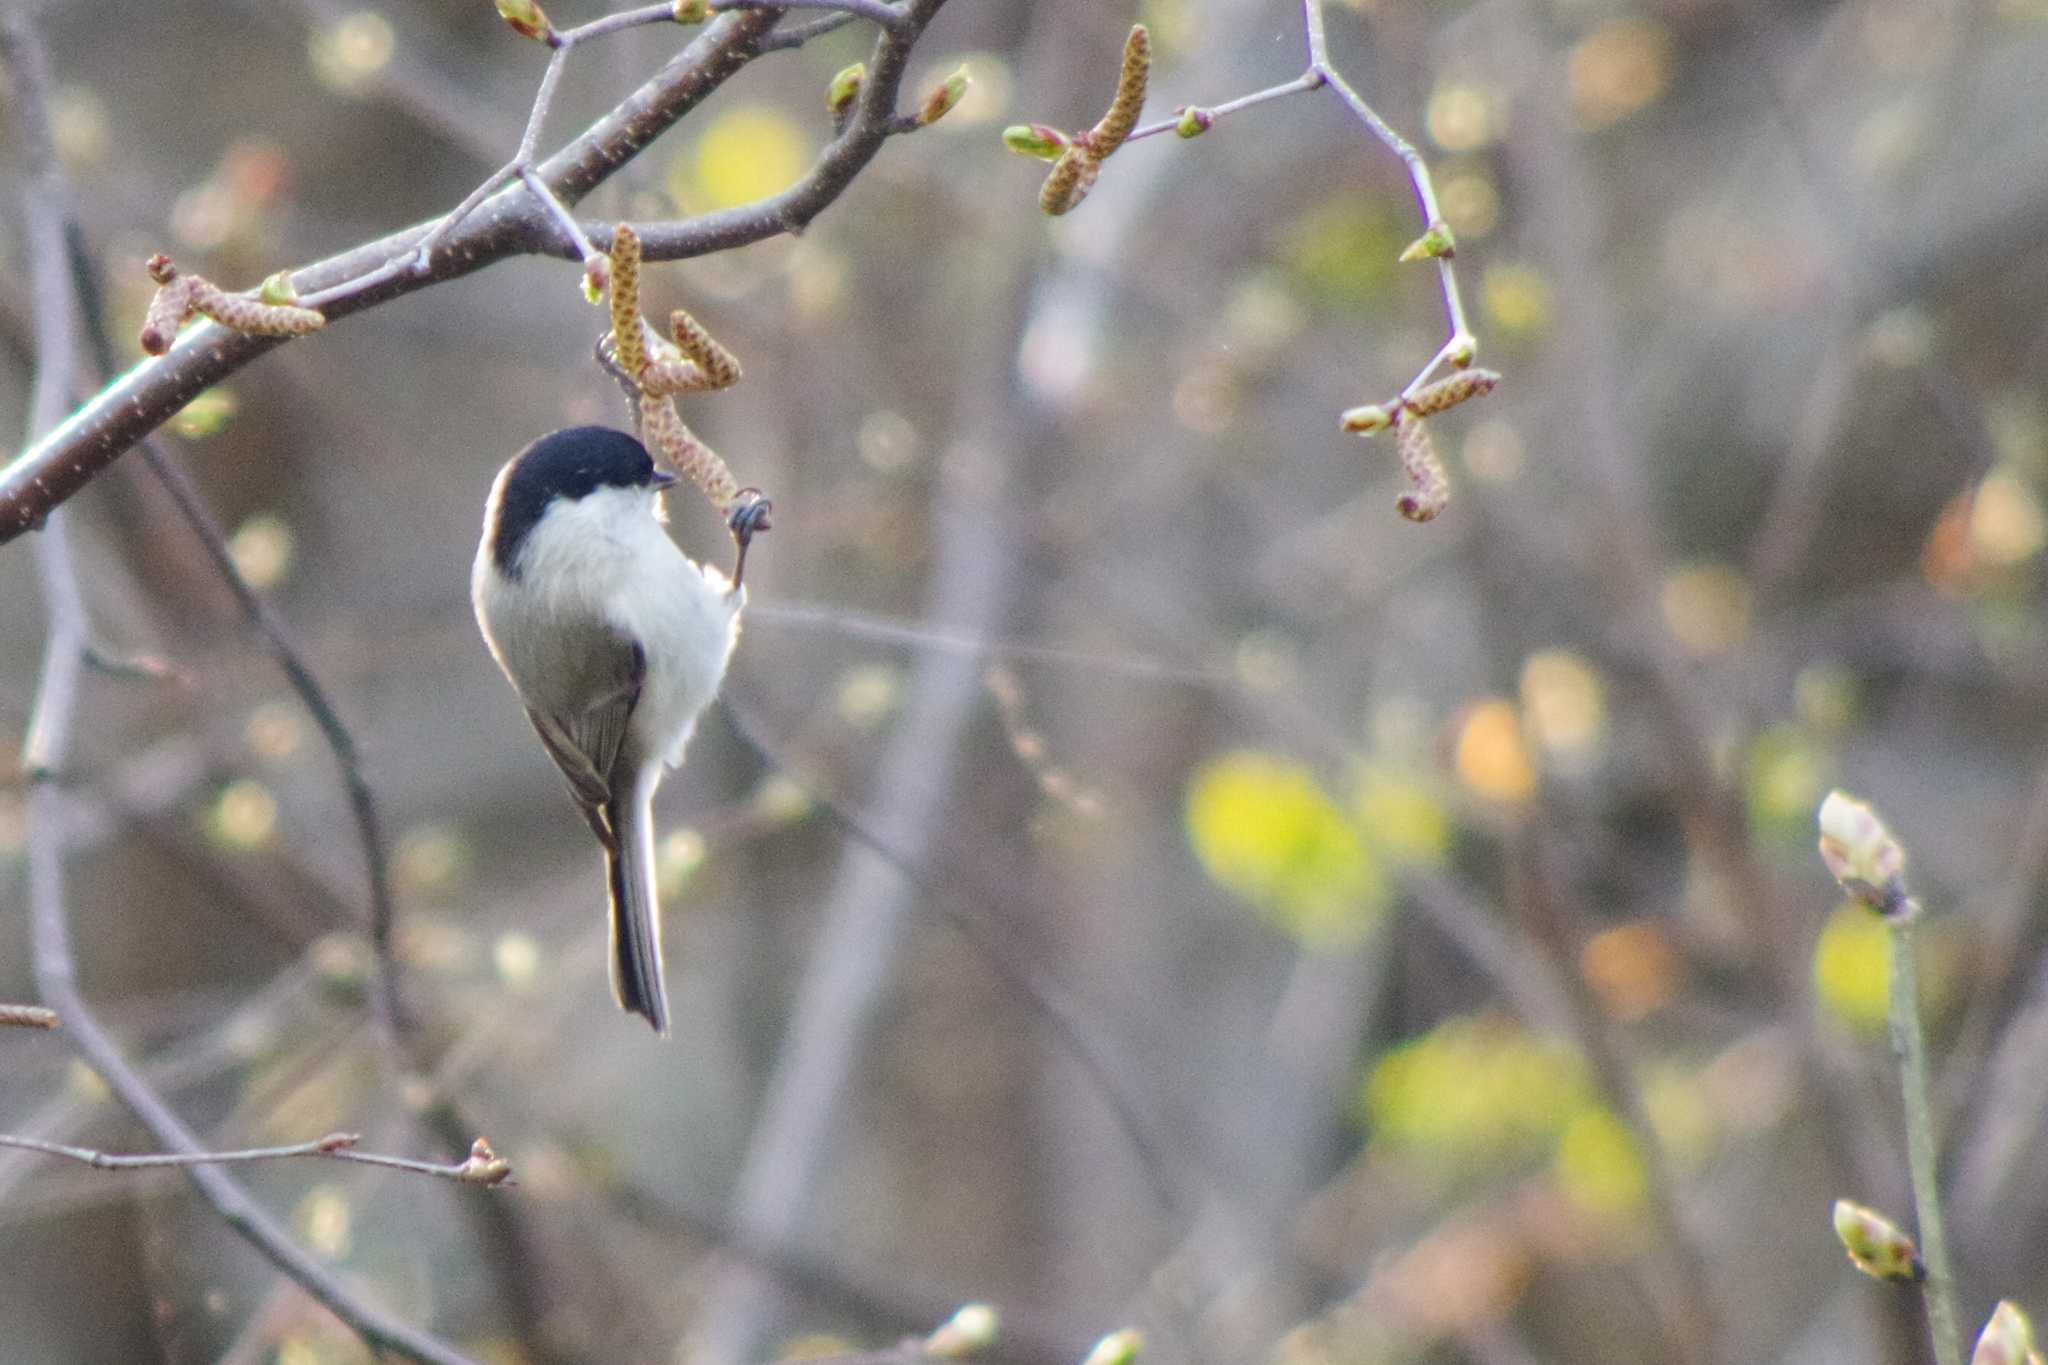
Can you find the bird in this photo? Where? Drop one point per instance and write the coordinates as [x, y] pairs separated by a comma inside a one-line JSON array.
[[616, 641]]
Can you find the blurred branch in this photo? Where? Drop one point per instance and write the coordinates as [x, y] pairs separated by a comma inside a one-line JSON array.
[[1033, 984], [1677, 1270], [487, 1170], [859, 625], [191, 505], [27, 1016], [47, 748], [509, 222]]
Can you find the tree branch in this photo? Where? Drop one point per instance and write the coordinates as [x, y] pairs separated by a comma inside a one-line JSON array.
[[485, 1170], [47, 748], [507, 223]]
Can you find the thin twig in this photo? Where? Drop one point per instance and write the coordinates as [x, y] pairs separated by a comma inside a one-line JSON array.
[[796, 35], [888, 16], [1923, 1155], [335, 1146], [27, 1016], [1418, 176], [54, 716], [1307, 80]]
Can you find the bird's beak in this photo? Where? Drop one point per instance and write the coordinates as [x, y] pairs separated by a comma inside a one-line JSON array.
[[662, 480]]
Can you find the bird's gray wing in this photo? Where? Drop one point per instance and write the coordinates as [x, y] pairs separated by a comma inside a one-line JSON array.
[[585, 740]]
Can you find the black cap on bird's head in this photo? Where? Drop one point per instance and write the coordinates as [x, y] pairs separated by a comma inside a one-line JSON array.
[[572, 464]]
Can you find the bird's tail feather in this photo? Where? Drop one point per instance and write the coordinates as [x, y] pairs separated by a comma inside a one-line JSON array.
[[636, 914]]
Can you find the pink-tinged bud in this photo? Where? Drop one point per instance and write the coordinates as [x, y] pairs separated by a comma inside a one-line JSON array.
[[1862, 854], [1194, 122], [944, 97], [526, 19], [1875, 1244], [1036, 139], [597, 278], [2008, 1338], [484, 1167]]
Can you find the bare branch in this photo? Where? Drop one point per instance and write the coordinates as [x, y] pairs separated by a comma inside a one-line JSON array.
[[48, 746], [888, 16], [27, 1016], [191, 504], [488, 1170], [505, 223]]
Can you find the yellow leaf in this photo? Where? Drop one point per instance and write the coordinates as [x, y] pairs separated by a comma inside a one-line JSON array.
[[1852, 967], [1401, 820], [1264, 828], [1598, 1166], [747, 153]]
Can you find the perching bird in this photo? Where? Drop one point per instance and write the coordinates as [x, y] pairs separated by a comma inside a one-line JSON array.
[[616, 642]]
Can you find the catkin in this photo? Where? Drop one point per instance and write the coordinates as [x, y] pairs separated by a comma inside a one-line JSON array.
[[1450, 391], [627, 346], [1116, 124], [699, 463], [1073, 175], [1431, 490]]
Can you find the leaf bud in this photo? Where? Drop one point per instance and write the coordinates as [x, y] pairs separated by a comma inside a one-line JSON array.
[[526, 19], [1036, 139], [844, 89], [944, 96], [1876, 1245]]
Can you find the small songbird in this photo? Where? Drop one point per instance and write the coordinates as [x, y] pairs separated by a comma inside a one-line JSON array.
[[616, 642]]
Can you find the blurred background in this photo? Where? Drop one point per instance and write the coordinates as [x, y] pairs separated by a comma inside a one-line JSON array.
[[1134, 878]]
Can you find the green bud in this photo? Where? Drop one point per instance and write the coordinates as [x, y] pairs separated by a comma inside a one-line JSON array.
[[1366, 420], [1431, 244], [1118, 1348], [941, 100], [278, 289], [597, 278], [691, 11], [1462, 351], [2008, 1338], [966, 1334], [845, 88], [1194, 122], [525, 17], [1875, 1244], [1036, 139]]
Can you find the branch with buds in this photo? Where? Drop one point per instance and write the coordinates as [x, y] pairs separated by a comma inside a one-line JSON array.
[[273, 312], [524, 208], [482, 1167], [1870, 865], [1077, 162]]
